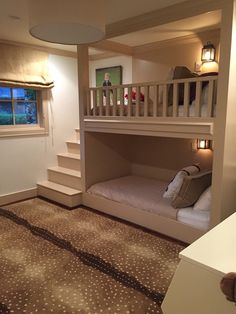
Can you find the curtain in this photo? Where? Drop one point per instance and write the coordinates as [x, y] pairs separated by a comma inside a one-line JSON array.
[[23, 66]]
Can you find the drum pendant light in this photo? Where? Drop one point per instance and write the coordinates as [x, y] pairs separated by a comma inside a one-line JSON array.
[[69, 22]]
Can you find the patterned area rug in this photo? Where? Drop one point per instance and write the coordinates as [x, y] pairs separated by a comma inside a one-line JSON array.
[[57, 261]]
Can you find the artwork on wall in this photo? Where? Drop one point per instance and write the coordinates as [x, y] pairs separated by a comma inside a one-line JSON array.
[[109, 76]]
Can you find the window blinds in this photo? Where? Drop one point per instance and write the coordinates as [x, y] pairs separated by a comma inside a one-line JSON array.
[[23, 66]]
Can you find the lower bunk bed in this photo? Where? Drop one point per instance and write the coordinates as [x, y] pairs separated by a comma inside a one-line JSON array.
[[140, 200]]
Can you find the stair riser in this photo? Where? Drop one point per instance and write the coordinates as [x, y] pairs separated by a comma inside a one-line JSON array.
[[73, 148], [64, 179], [67, 200], [69, 163]]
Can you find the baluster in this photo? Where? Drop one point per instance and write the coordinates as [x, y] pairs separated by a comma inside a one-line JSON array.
[[146, 100], [210, 98], [186, 99], [155, 100], [108, 101], [165, 103], [100, 102], [129, 101], [114, 107], [89, 103], [121, 101], [198, 99], [94, 102], [175, 99], [137, 106]]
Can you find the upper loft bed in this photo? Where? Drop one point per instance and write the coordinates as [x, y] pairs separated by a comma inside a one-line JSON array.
[[180, 107]]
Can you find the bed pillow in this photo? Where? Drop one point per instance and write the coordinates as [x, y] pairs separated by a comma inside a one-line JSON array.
[[191, 189], [182, 72], [176, 183], [204, 201]]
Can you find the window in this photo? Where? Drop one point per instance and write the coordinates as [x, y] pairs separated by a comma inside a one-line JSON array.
[[18, 106], [22, 111]]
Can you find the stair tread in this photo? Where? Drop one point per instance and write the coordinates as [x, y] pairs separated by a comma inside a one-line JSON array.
[[70, 155], [59, 188], [73, 141], [74, 173]]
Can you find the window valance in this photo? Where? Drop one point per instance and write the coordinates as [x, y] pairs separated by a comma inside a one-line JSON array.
[[23, 66]]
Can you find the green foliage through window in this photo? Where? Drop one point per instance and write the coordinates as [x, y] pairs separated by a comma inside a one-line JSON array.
[[18, 106]]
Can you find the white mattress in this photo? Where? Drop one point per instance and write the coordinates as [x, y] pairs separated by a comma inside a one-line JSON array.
[[146, 194]]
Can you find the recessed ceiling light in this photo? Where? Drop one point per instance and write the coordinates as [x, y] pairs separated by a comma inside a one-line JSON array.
[[14, 17]]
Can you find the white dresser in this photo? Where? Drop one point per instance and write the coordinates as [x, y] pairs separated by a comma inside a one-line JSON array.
[[195, 287]]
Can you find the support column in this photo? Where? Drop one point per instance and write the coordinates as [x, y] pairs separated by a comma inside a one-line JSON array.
[[224, 163], [83, 79]]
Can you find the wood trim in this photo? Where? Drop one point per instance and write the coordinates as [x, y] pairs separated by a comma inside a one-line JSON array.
[[161, 224], [41, 129], [183, 40], [162, 16], [60, 52], [109, 45], [104, 55], [18, 196], [166, 127]]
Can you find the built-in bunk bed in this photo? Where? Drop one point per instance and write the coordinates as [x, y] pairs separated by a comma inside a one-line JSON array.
[[183, 107]]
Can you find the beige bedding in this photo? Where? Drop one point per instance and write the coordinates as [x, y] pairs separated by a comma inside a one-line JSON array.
[[139, 192]]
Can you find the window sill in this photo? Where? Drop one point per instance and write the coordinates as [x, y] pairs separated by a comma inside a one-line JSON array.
[[22, 131]]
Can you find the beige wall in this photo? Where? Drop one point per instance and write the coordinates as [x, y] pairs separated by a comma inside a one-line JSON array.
[[155, 63], [24, 160], [168, 153], [113, 155], [107, 157]]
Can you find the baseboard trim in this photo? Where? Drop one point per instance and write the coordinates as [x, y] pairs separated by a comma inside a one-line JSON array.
[[17, 196]]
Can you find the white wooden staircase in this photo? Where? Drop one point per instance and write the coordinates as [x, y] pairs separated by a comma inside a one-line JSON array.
[[64, 181]]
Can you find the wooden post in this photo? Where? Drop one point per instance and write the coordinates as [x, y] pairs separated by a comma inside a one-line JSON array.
[[83, 81], [224, 170]]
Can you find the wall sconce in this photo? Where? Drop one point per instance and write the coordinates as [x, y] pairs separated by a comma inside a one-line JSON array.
[[208, 52], [203, 144]]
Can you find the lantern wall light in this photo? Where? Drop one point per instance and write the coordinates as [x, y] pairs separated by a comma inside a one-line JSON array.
[[203, 144], [208, 52]]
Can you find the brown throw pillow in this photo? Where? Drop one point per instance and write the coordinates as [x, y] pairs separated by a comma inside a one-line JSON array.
[[191, 189], [182, 72]]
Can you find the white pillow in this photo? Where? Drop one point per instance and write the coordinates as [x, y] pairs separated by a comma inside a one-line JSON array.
[[204, 201], [175, 185]]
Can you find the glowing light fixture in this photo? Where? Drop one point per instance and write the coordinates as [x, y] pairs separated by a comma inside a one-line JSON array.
[[203, 144], [68, 22], [208, 52]]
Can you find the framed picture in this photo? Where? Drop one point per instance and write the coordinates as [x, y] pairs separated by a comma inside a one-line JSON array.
[[114, 74]]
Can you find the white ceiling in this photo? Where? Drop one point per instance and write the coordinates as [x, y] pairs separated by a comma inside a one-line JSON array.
[[172, 30], [14, 23]]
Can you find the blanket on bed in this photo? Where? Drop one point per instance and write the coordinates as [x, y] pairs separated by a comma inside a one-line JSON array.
[[138, 192]]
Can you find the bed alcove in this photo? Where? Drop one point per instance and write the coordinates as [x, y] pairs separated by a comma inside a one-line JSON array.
[[112, 156]]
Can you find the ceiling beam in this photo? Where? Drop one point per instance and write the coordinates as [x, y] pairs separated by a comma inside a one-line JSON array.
[[111, 46], [165, 15], [200, 36]]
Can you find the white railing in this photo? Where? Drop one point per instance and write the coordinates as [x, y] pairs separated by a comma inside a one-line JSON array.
[[192, 97]]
